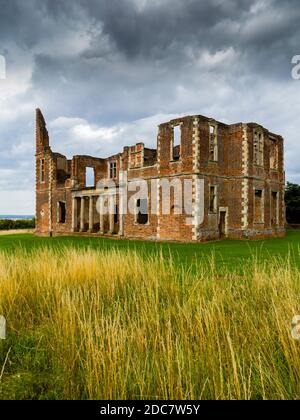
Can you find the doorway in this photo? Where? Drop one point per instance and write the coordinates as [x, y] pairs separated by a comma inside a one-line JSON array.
[[222, 224]]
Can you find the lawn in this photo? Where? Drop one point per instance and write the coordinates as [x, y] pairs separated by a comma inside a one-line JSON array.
[[227, 253]]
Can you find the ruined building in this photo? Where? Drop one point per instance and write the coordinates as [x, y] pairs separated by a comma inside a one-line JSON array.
[[241, 165]]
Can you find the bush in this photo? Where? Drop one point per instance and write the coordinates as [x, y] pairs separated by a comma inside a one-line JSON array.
[[8, 224]]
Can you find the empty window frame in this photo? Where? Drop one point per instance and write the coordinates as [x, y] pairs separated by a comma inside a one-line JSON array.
[[116, 214], [273, 154], [112, 169], [213, 143], [89, 177], [274, 208], [258, 148], [176, 148], [42, 170], [61, 212], [213, 199], [142, 216], [258, 206]]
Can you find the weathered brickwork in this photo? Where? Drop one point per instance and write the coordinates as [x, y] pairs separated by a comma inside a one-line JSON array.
[[241, 165]]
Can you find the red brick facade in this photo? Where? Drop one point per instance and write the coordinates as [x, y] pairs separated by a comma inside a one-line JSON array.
[[241, 165]]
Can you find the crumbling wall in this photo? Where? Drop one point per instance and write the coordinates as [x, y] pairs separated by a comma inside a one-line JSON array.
[[221, 155]]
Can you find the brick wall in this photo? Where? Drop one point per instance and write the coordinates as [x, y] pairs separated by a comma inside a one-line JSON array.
[[234, 174]]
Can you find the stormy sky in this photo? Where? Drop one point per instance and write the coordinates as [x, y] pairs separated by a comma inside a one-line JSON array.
[[106, 72]]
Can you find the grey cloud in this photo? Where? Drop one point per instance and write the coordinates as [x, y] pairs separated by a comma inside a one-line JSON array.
[[160, 25], [128, 63]]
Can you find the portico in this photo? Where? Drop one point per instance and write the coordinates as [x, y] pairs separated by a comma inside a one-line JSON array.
[[96, 212]]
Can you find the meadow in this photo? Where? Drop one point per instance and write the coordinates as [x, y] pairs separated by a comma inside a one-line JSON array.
[[94, 318]]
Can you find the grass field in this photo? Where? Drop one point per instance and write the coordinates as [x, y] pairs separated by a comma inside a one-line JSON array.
[[228, 253], [102, 319]]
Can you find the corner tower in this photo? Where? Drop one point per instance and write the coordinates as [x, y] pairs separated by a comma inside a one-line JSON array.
[[43, 177]]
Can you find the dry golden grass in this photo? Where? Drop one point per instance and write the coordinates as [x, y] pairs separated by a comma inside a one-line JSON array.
[[108, 325]]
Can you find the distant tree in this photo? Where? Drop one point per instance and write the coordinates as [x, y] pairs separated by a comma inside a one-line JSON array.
[[7, 224], [292, 202]]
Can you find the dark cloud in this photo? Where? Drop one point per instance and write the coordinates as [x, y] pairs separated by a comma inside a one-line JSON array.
[[168, 27], [121, 65]]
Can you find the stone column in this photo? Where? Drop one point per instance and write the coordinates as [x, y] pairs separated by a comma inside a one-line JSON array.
[[82, 214], [91, 214], [74, 215], [101, 215]]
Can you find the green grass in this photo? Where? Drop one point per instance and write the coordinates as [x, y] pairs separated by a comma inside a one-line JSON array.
[[228, 253], [97, 318], [106, 324]]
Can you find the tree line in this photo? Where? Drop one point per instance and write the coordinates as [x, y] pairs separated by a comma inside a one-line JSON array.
[[8, 224], [292, 202]]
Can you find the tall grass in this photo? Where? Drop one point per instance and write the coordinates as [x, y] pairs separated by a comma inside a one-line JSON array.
[[108, 325]]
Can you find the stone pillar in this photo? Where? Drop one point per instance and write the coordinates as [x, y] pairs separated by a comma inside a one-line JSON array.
[[91, 214], [82, 214], [74, 215], [101, 215]]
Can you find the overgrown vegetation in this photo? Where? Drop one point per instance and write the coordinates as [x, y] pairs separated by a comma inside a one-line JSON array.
[[102, 324], [292, 201], [9, 224]]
